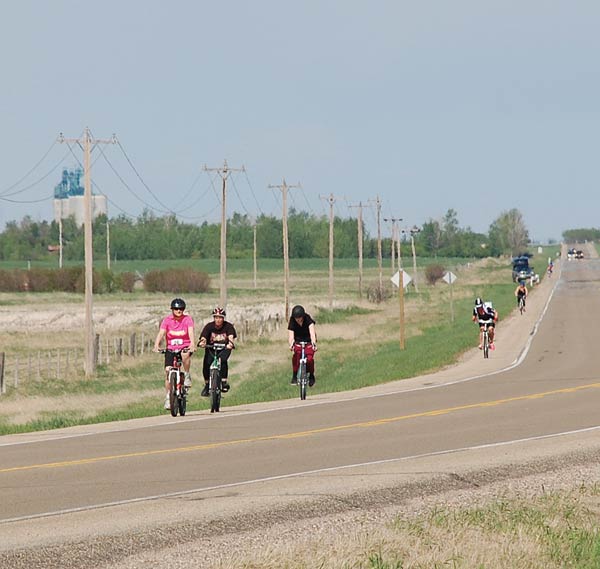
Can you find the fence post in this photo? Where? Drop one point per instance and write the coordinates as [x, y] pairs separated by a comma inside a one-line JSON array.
[[17, 373], [2, 385], [57, 364], [120, 348], [96, 348], [142, 346], [132, 345], [39, 366]]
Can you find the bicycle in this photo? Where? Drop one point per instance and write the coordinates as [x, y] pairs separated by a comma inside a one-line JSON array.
[[302, 373], [521, 304], [486, 339], [177, 390], [214, 377]]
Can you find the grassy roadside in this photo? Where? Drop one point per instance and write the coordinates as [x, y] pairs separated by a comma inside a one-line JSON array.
[[549, 531], [343, 364]]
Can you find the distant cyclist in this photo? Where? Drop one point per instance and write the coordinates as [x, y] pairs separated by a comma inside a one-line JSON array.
[[550, 268], [521, 293], [485, 315], [301, 328], [219, 331], [178, 331]]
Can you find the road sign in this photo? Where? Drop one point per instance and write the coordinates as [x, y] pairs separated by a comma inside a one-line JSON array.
[[449, 277], [406, 278]]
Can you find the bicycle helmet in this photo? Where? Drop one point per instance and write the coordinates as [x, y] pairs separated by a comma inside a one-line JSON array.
[[298, 311], [178, 303], [218, 311], [478, 302]]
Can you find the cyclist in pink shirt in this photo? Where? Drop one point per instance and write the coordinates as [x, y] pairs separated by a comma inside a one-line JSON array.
[[178, 331]]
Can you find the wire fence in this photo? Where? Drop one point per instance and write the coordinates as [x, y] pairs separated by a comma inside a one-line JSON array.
[[64, 364]]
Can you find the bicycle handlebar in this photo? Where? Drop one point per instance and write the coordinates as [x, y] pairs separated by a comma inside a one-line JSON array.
[[218, 346]]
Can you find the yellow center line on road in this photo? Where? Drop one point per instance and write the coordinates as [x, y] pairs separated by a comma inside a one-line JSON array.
[[300, 434]]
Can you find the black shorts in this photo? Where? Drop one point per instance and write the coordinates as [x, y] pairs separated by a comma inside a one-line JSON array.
[[488, 323], [169, 358]]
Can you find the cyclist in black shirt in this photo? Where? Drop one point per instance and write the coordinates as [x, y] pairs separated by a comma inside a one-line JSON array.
[[221, 332], [301, 328]]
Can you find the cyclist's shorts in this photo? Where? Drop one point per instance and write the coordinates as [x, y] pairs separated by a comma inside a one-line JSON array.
[[490, 323], [169, 359]]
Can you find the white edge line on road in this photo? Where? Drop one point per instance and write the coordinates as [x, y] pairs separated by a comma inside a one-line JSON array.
[[312, 403], [295, 475]]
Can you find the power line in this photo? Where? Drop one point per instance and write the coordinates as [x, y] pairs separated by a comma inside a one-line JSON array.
[[30, 171]]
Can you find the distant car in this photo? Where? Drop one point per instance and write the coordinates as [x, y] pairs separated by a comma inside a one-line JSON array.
[[522, 273], [579, 254]]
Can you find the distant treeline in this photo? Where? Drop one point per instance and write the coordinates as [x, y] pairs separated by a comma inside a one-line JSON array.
[[581, 235], [151, 237]]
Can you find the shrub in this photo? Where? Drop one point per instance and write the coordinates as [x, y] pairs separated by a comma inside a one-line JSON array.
[[176, 280], [377, 294], [433, 273], [12, 280], [125, 281]]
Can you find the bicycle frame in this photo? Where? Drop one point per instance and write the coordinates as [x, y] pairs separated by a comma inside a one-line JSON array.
[[176, 378], [486, 339], [302, 374], [214, 378]]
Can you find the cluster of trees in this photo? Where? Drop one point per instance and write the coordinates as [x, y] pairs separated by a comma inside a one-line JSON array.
[[581, 235], [151, 237]]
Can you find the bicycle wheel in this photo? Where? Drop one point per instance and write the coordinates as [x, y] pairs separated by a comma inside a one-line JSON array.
[[303, 381], [521, 305], [486, 345], [214, 387], [174, 404], [182, 404]]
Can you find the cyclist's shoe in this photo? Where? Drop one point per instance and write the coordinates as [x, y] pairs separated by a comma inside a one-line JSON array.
[[225, 386], [187, 382], [167, 403], [205, 390], [492, 346], [311, 380], [294, 379]]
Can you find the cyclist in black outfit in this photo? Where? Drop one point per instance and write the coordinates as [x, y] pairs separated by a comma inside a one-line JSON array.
[[301, 328], [221, 332]]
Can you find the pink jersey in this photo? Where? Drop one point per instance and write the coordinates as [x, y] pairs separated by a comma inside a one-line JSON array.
[[177, 331]]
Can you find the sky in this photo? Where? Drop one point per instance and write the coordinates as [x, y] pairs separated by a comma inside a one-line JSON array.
[[471, 105]]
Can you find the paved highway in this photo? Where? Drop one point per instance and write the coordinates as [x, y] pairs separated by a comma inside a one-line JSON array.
[[112, 478]]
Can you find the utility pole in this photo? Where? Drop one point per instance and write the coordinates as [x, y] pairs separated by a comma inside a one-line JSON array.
[[60, 239], [254, 251], [413, 231], [224, 172], [360, 246], [107, 245], [284, 187], [379, 256], [86, 143], [331, 201], [395, 238]]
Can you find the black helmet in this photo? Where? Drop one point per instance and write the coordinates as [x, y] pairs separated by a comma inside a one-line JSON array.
[[298, 311], [218, 311], [478, 302], [178, 303]]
